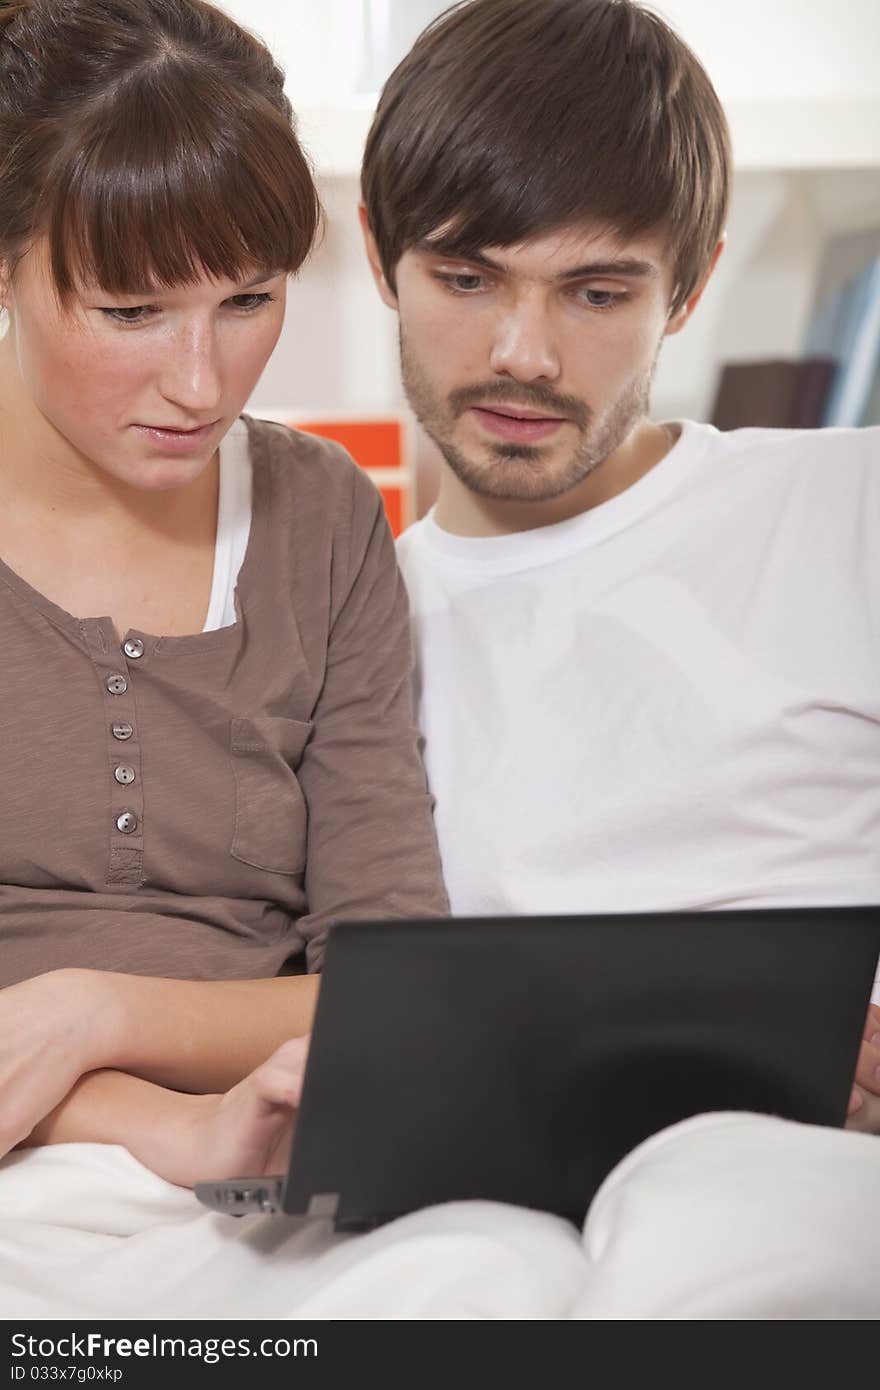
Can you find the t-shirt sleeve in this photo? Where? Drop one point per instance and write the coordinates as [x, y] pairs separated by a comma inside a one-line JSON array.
[[372, 849]]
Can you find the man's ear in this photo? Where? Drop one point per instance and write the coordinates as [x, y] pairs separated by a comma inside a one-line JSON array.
[[678, 320], [382, 285]]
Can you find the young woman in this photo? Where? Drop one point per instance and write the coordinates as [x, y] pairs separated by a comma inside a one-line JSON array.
[[207, 752]]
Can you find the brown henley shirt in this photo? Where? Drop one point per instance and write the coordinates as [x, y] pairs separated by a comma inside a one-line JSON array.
[[204, 807]]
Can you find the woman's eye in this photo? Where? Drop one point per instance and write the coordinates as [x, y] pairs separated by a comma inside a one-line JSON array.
[[133, 315], [249, 302], [241, 303]]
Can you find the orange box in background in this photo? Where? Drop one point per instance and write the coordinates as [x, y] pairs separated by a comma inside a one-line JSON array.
[[378, 443]]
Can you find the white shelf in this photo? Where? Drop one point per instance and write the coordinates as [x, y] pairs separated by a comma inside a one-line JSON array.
[[767, 135], [793, 135], [334, 136]]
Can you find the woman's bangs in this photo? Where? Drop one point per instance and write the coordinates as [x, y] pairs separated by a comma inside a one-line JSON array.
[[143, 208]]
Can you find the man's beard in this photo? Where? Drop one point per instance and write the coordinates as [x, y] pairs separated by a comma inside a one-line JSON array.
[[520, 472]]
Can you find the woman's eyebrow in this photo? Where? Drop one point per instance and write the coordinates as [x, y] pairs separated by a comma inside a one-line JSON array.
[[261, 279], [157, 291]]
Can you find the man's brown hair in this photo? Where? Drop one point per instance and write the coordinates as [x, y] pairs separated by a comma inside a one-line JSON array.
[[512, 118], [150, 141]]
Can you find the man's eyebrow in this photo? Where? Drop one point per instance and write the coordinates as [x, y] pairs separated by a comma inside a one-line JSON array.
[[627, 266], [621, 265]]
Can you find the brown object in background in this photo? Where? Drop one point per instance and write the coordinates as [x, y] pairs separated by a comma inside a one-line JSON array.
[[784, 393]]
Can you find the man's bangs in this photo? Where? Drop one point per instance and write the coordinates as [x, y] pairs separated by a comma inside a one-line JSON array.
[[478, 197], [470, 209], [158, 203], [508, 120]]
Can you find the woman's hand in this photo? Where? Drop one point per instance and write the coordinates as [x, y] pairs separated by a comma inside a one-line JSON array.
[[244, 1132], [53, 1029], [248, 1131]]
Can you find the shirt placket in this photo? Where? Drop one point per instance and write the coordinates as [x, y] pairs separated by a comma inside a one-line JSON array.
[[118, 666]]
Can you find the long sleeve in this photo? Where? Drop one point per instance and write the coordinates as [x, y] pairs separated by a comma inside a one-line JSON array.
[[372, 849]]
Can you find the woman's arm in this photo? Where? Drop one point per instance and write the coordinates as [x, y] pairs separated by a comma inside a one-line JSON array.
[[372, 847], [186, 1138], [198, 1036], [201, 1035]]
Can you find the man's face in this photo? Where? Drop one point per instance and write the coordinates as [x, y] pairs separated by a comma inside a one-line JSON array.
[[529, 365]]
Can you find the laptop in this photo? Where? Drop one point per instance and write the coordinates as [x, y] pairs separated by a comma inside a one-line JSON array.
[[519, 1059]]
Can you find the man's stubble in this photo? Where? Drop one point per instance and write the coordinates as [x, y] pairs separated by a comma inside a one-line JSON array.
[[521, 472]]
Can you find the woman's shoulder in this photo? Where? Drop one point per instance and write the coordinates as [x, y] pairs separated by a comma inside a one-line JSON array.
[[311, 496], [303, 461]]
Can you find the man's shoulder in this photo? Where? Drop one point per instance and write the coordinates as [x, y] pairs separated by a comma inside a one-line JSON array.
[[820, 446], [409, 543], [811, 463]]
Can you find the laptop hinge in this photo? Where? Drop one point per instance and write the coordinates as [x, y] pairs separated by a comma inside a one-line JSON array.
[[323, 1204]]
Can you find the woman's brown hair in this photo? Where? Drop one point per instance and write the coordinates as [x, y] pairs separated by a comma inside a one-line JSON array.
[[512, 118], [150, 141]]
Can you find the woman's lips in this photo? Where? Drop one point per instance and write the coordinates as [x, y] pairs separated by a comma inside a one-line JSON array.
[[522, 429], [170, 441]]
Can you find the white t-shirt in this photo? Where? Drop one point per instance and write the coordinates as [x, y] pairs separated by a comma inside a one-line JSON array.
[[670, 701], [233, 525]]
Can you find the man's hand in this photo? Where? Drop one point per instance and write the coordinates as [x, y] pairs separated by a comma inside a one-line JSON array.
[[53, 1029], [864, 1104]]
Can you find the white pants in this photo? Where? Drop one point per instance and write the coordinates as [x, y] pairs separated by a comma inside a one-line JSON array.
[[722, 1216]]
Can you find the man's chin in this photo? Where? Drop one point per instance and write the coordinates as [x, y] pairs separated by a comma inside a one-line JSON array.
[[518, 474]]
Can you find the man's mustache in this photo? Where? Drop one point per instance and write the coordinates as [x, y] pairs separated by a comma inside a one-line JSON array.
[[529, 397]]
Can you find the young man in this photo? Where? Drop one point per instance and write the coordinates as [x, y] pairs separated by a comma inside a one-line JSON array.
[[647, 651]]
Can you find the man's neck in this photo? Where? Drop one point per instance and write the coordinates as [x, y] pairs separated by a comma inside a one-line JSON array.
[[463, 512]]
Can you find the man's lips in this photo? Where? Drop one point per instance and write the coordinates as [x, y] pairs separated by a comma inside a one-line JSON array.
[[522, 426]]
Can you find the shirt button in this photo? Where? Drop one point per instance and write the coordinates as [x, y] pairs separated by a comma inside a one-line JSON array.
[[117, 685], [124, 774], [126, 822], [133, 648], [122, 731]]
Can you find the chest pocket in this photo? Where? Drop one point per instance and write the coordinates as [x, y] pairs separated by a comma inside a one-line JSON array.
[[271, 817]]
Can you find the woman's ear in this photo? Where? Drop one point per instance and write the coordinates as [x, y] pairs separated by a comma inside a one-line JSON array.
[[678, 320], [385, 291]]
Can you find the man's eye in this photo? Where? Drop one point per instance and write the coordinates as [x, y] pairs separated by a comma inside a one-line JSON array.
[[462, 282], [600, 299]]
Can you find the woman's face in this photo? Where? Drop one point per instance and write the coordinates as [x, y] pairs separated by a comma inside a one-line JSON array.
[[141, 386]]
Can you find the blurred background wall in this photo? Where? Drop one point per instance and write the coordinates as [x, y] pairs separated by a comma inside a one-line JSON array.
[[799, 80]]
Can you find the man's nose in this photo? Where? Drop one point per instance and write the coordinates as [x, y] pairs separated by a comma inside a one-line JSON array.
[[191, 374], [524, 345]]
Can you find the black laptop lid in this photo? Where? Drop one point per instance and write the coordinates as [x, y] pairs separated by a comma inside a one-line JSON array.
[[517, 1060]]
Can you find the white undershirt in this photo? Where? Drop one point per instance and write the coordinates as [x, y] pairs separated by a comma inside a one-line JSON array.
[[233, 525]]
